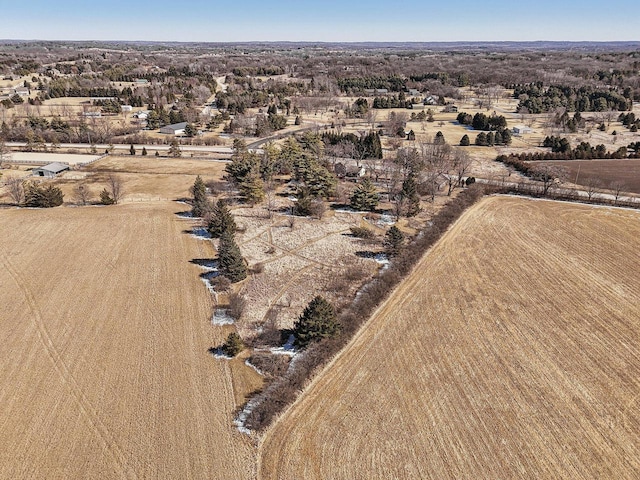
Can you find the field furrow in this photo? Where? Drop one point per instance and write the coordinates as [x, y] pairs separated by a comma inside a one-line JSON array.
[[512, 351]]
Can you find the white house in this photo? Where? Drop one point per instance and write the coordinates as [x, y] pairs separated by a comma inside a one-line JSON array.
[[521, 130], [142, 114], [50, 170], [175, 129], [126, 108]]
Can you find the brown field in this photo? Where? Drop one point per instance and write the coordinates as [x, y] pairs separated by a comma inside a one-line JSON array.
[[513, 351], [604, 172], [105, 372]]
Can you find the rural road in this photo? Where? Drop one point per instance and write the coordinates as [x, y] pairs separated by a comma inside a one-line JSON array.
[[161, 148]]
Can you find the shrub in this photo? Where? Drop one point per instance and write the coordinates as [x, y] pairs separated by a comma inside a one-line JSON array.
[[362, 232], [233, 345]]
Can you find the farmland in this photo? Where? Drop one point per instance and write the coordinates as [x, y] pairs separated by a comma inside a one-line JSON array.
[[105, 370], [511, 352], [604, 173]]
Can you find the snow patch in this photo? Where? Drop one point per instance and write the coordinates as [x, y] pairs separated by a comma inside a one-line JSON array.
[[286, 349], [241, 419], [251, 365], [217, 354], [386, 219], [200, 233], [221, 317]]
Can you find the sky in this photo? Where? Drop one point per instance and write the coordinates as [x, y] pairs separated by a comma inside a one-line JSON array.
[[321, 21]]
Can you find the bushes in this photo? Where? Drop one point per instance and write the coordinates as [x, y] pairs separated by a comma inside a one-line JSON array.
[[283, 391], [42, 197]]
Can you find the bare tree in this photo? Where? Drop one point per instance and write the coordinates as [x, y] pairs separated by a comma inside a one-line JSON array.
[[592, 187], [617, 187], [16, 189], [461, 163], [115, 187], [5, 152], [81, 193]]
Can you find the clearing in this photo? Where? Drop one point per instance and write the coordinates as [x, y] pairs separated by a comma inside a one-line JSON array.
[[104, 337], [512, 351]]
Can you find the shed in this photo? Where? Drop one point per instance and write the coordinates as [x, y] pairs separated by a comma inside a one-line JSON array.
[[521, 130], [175, 129], [50, 170]]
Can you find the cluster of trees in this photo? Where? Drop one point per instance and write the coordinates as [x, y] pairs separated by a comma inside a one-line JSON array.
[[499, 137], [42, 196], [480, 121], [363, 146], [561, 150], [283, 390], [630, 121], [393, 83], [536, 98], [392, 101]]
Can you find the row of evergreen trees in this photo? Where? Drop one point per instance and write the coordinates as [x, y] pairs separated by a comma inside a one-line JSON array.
[[536, 98]]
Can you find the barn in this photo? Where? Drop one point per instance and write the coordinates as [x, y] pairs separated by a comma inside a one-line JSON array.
[[50, 170], [175, 129]]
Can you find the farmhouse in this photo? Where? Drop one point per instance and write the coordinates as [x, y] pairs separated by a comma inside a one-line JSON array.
[[175, 129], [50, 170], [521, 130]]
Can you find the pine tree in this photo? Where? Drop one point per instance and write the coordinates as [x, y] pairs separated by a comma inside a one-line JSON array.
[[132, 150], [464, 141], [393, 241], [365, 196], [233, 345], [174, 149], [252, 187], [439, 139], [318, 321], [105, 198], [230, 261], [199, 191], [220, 220], [144, 151], [43, 197], [410, 196]]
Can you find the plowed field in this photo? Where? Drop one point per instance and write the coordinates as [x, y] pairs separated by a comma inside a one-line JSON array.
[[104, 331], [512, 351]]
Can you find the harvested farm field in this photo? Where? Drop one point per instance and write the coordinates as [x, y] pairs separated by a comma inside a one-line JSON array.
[[105, 330], [605, 173], [512, 351]]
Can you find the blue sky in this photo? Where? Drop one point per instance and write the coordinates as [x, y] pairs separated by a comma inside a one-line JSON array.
[[329, 20]]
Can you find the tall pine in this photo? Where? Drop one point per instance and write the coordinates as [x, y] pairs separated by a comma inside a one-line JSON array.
[[365, 196], [199, 191], [318, 321], [230, 261], [220, 220]]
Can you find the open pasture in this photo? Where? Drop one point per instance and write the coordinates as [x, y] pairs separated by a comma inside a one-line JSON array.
[[512, 351]]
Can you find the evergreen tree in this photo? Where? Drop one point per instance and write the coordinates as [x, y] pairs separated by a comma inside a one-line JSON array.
[[318, 321], [132, 150], [144, 151], [105, 198], [365, 196], [233, 345], [393, 241], [42, 197], [439, 139], [481, 139], [464, 141], [252, 187], [199, 192], [174, 149], [230, 261], [220, 220], [410, 196]]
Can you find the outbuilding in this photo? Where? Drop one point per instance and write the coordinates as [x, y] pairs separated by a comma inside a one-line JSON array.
[[521, 130], [50, 170], [175, 129]]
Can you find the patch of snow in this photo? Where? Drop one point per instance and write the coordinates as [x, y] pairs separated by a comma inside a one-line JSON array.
[[286, 349], [386, 219], [251, 365], [221, 317], [200, 233], [241, 419], [381, 258], [217, 354]]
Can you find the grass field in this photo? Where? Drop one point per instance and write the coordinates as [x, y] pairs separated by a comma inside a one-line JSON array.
[[512, 351], [104, 332]]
